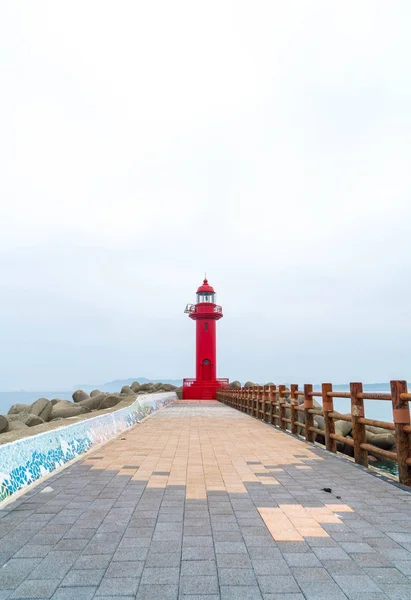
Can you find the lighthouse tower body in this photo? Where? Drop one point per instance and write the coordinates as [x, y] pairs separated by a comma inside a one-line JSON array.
[[205, 313]]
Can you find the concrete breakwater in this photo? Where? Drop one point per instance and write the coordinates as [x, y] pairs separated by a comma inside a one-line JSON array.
[[32, 451]]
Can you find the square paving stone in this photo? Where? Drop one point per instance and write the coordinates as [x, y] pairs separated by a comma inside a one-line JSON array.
[[386, 575], [118, 586], [199, 553], [15, 571], [193, 568], [271, 567], [126, 554], [301, 559], [74, 593], [319, 590], [83, 577], [278, 584], [310, 574], [397, 592], [98, 561], [237, 561], [238, 592], [233, 576], [356, 584], [201, 584], [230, 548], [160, 575], [167, 559], [36, 589], [157, 592], [331, 554], [132, 568]]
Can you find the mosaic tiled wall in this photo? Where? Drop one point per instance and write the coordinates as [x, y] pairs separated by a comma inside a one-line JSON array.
[[24, 461]]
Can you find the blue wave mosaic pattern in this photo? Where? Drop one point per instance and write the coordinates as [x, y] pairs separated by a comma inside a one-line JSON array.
[[26, 460]]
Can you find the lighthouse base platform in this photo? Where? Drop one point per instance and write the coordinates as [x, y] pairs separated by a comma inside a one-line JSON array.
[[202, 390]]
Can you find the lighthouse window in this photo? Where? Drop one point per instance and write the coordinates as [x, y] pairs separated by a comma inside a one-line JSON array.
[[206, 361], [205, 326], [204, 297]]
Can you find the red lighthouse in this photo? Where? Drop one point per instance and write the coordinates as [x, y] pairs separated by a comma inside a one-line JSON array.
[[205, 313]]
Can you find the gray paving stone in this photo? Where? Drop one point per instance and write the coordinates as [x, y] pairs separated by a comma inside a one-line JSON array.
[[238, 561], [278, 584], [310, 574], [283, 596], [36, 589], [397, 592], [98, 561], [199, 553], [74, 593], [386, 575], [118, 586], [230, 548], [83, 577], [354, 584], [15, 571], [132, 568], [238, 592], [318, 590], [301, 559], [201, 584], [194, 568], [168, 559], [233, 576], [160, 575], [201, 596], [33, 551], [271, 567], [341, 567], [155, 592], [126, 554]]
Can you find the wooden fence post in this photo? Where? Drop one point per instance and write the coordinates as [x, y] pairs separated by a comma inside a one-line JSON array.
[[328, 406], [293, 412], [401, 414], [281, 408], [309, 418], [358, 429], [273, 398]]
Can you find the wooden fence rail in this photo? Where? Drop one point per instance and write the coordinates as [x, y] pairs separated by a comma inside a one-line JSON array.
[[272, 403]]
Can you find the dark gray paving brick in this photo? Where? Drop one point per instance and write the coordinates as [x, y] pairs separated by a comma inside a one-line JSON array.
[[99, 561], [36, 589], [33, 551], [74, 593], [15, 571], [230, 548], [278, 584], [160, 575], [200, 584], [155, 592], [118, 586], [83, 577], [271, 567], [193, 568], [319, 590], [238, 592], [233, 576], [168, 559], [301, 559], [199, 553]]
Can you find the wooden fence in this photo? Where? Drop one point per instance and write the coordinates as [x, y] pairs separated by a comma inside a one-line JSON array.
[[270, 404]]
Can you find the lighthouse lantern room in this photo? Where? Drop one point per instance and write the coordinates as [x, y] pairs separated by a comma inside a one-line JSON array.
[[205, 313]]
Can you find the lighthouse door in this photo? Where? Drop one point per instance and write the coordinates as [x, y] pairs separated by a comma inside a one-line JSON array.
[[206, 370]]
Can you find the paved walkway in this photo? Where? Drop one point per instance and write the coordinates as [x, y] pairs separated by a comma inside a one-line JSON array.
[[203, 502]]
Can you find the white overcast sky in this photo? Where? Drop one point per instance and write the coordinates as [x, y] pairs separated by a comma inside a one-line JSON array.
[[144, 142]]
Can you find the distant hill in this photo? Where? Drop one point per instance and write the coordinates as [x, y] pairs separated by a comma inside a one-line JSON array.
[[117, 384]]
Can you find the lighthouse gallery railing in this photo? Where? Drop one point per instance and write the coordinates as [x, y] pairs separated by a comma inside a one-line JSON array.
[[192, 308]]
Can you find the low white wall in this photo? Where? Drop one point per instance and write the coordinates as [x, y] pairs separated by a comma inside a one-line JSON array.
[[24, 461]]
